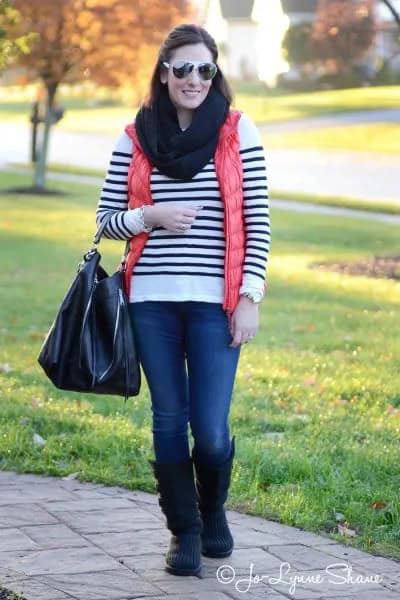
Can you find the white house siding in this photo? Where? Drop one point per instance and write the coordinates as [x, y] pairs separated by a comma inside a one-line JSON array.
[[241, 54], [250, 48], [272, 26], [218, 28]]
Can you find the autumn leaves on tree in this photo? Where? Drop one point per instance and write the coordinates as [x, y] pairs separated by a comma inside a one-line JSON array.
[[110, 42], [340, 36], [344, 31]]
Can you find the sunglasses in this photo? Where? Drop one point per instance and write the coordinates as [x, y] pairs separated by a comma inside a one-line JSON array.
[[183, 68]]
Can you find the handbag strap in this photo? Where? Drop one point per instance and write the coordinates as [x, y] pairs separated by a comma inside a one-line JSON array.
[[100, 231]]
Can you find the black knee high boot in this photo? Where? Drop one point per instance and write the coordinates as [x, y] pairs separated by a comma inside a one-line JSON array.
[[212, 485], [178, 502]]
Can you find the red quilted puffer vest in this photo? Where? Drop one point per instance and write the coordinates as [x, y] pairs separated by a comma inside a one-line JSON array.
[[229, 173]]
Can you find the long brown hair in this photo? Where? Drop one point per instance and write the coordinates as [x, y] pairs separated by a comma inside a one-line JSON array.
[[181, 36]]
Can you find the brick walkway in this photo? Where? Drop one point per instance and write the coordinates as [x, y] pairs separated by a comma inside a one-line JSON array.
[[63, 539]]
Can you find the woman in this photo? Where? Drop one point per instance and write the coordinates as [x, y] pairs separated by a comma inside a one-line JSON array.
[[187, 186]]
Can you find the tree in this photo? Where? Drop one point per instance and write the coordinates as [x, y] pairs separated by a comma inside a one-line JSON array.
[[11, 43], [106, 41], [298, 46], [344, 32]]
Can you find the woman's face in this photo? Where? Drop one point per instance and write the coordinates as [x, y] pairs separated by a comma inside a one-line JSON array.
[[188, 93]]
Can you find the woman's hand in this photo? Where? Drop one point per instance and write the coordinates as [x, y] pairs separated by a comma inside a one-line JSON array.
[[244, 322], [174, 217]]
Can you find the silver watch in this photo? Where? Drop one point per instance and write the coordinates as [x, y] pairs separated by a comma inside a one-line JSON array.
[[146, 228], [255, 297]]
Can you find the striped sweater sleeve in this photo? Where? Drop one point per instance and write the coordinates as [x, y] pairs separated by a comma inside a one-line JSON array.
[[113, 204], [255, 207]]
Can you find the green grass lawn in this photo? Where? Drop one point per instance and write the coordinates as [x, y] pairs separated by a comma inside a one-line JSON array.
[[265, 108], [262, 105], [316, 406], [378, 137]]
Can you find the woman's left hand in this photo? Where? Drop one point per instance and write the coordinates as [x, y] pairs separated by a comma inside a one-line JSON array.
[[244, 322]]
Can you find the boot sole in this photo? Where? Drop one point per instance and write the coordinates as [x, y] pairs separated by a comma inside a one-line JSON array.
[[217, 554], [177, 571]]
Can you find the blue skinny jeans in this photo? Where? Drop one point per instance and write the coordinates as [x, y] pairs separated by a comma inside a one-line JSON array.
[[183, 348]]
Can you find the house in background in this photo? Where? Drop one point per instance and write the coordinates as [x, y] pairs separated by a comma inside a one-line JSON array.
[[386, 45], [300, 11], [249, 34]]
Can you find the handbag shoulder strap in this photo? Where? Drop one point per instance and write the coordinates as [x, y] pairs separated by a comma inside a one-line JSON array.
[[100, 231]]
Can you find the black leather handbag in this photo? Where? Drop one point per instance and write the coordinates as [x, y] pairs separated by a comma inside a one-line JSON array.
[[90, 347]]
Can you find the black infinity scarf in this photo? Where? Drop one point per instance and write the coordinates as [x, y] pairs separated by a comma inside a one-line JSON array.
[[176, 153]]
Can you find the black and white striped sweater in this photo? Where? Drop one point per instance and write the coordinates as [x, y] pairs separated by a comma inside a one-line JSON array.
[[190, 265]]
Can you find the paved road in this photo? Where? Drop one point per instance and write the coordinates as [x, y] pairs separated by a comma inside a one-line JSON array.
[[63, 539], [358, 174]]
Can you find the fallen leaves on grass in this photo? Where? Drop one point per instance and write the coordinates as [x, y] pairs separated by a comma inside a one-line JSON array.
[[37, 335], [274, 435], [71, 476], [383, 267], [38, 440], [304, 327], [393, 410], [346, 531], [281, 403], [378, 505], [338, 402], [298, 417]]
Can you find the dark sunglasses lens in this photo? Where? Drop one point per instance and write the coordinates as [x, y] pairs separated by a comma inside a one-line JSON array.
[[182, 69], [207, 71]]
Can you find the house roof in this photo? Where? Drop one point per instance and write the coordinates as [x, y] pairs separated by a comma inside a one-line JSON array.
[[242, 9], [299, 6], [236, 9]]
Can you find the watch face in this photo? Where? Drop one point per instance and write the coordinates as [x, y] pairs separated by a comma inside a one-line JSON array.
[[254, 296]]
